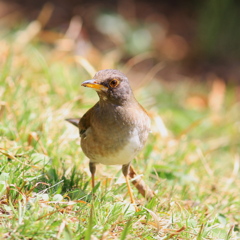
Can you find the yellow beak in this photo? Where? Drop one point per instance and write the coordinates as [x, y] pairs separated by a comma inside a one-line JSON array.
[[93, 84]]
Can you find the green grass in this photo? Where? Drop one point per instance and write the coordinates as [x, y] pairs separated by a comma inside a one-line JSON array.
[[44, 177]]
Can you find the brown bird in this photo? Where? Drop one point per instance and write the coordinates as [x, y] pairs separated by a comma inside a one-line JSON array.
[[116, 128]]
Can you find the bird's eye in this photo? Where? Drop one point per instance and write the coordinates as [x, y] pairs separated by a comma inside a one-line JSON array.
[[113, 83]]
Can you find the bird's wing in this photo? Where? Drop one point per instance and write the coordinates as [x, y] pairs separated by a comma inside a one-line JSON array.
[[85, 122]]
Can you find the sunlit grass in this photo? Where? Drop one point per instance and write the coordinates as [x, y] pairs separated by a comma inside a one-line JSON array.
[[44, 177]]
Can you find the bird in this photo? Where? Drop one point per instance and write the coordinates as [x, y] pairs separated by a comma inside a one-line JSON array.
[[116, 128]]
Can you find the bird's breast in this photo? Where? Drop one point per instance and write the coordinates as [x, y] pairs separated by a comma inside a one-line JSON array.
[[114, 152], [115, 140]]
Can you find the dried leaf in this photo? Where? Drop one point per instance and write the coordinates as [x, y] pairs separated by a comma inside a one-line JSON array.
[[141, 186], [217, 94]]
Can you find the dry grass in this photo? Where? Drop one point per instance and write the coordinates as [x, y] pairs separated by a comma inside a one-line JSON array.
[[191, 161]]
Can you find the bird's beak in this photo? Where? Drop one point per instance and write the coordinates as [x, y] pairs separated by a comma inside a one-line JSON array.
[[93, 84]]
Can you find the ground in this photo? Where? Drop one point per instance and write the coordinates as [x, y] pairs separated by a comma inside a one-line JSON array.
[[191, 159]]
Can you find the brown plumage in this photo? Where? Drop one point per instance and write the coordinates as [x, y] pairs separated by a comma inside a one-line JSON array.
[[116, 128]]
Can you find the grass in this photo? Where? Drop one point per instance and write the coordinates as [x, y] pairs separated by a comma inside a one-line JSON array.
[[45, 190]]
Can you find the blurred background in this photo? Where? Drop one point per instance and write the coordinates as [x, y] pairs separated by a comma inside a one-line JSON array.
[[169, 40], [182, 59]]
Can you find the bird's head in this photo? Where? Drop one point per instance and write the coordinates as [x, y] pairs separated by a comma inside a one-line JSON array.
[[111, 85]]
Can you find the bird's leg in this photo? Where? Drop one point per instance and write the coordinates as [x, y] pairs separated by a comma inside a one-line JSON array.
[[92, 167], [125, 170]]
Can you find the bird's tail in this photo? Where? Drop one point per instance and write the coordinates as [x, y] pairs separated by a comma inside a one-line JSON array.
[[74, 121]]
